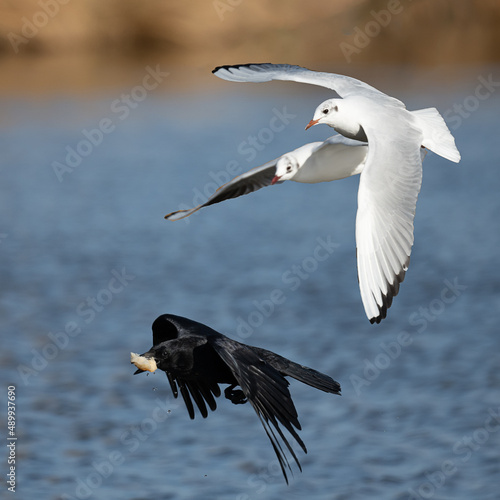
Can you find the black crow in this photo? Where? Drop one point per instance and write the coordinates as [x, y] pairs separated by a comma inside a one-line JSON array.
[[196, 359]]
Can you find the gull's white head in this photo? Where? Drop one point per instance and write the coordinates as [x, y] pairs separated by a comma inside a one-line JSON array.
[[286, 168], [327, 113], [341, 115]]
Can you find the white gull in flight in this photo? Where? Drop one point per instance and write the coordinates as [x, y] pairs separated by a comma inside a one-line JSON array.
[[391, 174]]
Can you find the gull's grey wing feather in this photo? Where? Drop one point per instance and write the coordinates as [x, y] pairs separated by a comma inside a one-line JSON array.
[[246, 183], [344, 86], [387, 198]]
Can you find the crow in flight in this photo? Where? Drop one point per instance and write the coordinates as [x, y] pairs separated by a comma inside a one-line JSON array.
[[196, 359]]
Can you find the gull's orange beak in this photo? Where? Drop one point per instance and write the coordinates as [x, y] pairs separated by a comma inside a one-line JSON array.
[[275, 180], [311, 123]]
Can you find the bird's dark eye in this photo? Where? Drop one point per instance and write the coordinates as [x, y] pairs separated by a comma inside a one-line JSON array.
[[288, 168], [325, 111]]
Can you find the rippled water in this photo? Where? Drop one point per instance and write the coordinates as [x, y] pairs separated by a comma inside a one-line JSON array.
[[88, 263]]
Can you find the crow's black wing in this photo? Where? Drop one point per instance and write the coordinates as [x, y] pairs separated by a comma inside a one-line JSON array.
[[267, 391], [301, 373], [188, 371], [201, 393]]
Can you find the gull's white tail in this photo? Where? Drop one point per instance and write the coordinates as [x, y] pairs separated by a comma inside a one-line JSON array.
[[437, 136]]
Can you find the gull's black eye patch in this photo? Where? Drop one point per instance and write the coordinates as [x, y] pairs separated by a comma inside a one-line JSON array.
[[325, 111], [288, 168], [335, 108]]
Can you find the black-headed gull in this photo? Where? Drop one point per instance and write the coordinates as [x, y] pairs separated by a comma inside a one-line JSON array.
[[196, 359], [392, 173], [333, 159]]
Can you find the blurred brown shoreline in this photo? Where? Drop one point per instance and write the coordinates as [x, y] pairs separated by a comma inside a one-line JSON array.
[[51, 45]]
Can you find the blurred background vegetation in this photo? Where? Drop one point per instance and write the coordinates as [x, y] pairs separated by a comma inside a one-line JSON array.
[[54, 44]]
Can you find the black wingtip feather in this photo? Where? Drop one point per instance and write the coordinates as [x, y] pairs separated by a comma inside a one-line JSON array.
[[187, 401], [236, 66], [392, 291], [173, 385], [198, 399]]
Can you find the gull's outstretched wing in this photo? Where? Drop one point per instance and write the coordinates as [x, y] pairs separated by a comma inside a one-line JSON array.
[[246, 183], [387, 198], [267, 391], [344, 86]]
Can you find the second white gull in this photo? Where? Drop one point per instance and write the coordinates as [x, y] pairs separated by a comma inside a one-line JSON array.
[[336, 158]]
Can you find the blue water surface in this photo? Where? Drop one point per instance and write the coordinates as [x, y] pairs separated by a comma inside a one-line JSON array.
[[88, 262]]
